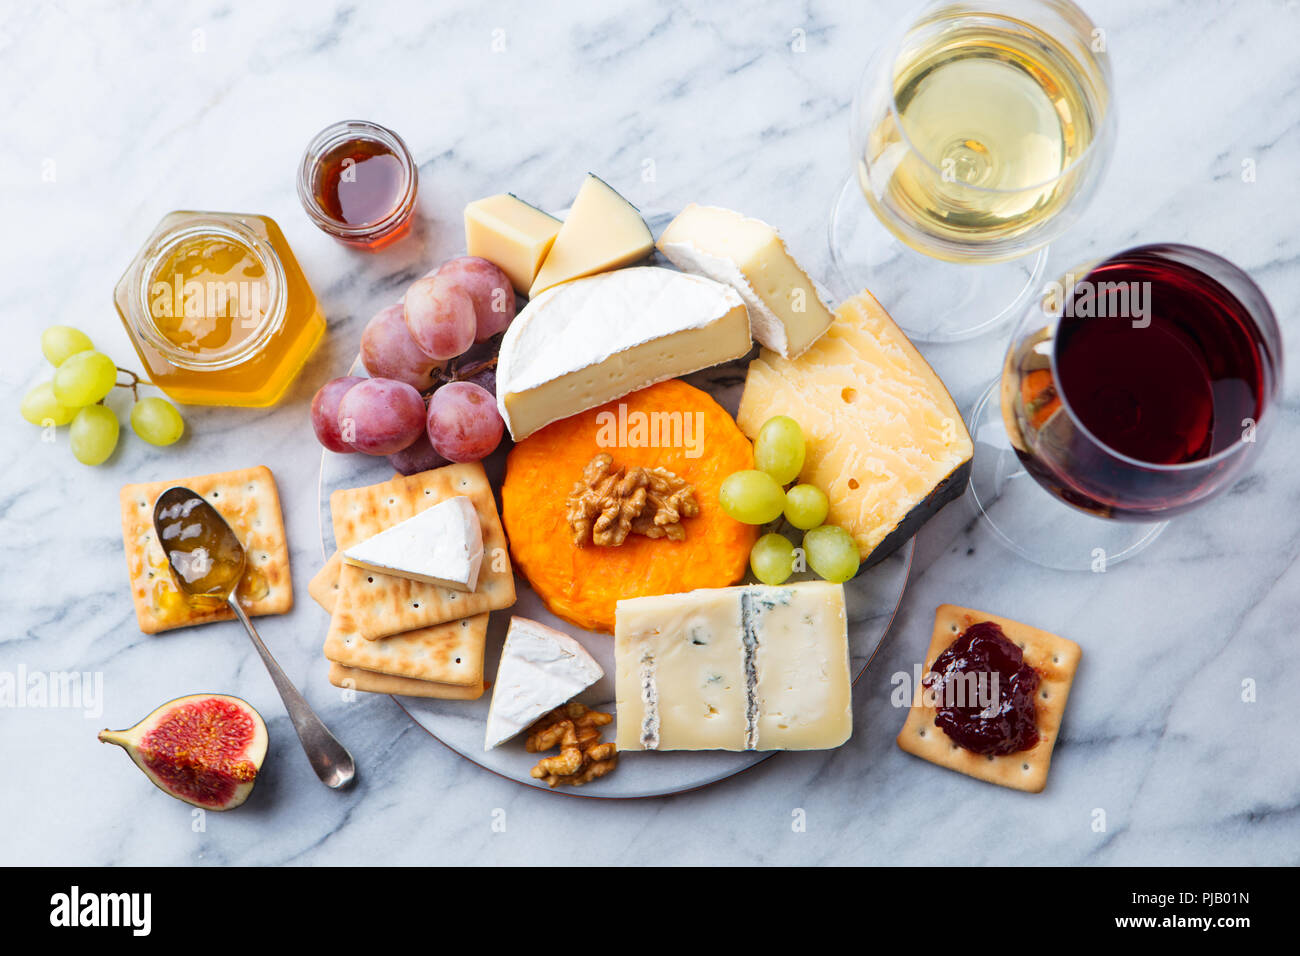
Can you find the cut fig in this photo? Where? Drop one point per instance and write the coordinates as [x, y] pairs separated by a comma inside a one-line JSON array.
[[205, 749]]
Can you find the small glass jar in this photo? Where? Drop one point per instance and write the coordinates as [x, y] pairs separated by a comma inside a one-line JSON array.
[[218, 309], [357, 182]]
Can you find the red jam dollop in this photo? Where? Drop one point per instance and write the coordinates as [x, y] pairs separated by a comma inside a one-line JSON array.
[[992, 714]]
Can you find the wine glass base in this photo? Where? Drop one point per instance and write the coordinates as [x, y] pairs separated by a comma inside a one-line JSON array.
[[932, 300], [1026, 518]]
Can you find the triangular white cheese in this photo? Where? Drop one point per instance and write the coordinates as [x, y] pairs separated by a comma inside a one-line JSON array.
[[541, 668], [440, 545]]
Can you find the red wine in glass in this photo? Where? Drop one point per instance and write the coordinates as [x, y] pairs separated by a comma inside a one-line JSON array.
[[1141, 389]]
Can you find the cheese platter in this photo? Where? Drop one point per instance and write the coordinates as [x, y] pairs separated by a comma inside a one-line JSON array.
[[872, 597], [612, 504]]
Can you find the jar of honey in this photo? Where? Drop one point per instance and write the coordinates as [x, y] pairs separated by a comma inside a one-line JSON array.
[[219, 309], [357, 182]]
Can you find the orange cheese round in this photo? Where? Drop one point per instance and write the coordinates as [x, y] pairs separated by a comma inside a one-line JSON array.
[[670, 425]]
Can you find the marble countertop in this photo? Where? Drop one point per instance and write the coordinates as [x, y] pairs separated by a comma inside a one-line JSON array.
[[113, 117]]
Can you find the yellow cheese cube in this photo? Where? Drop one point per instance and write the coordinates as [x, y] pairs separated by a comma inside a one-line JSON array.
[[507, 231]]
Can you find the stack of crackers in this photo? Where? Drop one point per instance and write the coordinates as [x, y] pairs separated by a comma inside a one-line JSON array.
[[393, 635]]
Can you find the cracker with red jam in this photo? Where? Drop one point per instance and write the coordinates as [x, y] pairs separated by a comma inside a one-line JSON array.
[[1054, 661]]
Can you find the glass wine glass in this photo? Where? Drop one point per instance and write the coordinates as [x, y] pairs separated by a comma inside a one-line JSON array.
[[979, 132], [1135, 389]]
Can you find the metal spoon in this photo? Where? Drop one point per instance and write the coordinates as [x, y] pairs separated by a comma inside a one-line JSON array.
[[207, 562]]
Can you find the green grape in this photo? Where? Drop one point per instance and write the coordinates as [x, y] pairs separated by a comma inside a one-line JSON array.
[[61, 342], [772, 559], [93, 435], [779, 450], [84, 378], [157, 421], [831, 552], [40, 407], [753, 497], [806, 506]]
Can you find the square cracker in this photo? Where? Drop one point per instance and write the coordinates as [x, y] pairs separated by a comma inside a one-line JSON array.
[[324, 587], [1055, 658], [354, 678], [383, 604], [247, 498], [449, 653]]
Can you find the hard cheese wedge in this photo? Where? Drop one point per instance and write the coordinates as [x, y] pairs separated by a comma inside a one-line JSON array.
[[603, 231], [541, 668], [440, 545], [785, 311], [744, 668], [516, 236], [593, 340], [885, 441]]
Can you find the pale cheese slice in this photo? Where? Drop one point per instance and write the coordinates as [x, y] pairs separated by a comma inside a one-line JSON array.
[[603, 231], [596, 339], [440, 545], [743, 668], [785, 310], [541, 668], [507, 231]]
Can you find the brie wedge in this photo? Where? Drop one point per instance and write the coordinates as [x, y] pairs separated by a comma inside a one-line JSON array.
[[784, 309], [440, 545], [596, 339], [541, 668]]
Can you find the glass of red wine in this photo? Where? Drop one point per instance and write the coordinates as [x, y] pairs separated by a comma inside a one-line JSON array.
[[1137, 388]]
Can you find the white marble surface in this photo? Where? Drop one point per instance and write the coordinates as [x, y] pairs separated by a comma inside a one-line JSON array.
[[135, 111]]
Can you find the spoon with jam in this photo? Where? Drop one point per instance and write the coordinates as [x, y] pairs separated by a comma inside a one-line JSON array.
[[207, 561]]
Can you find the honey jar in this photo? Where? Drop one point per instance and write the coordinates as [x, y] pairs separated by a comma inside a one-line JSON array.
[[218, 309], [357, 182]]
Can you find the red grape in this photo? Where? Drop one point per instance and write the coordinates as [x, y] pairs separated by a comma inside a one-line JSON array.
[[490, 290], [325, 412], [440, 317], [463, 422], [420, 456], [380, 416], [388, 351]]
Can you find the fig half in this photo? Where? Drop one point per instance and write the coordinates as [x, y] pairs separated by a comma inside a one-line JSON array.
[[205, 749]]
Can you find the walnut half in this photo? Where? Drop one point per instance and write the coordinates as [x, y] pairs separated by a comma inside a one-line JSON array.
[[611, 502], [575, 729]]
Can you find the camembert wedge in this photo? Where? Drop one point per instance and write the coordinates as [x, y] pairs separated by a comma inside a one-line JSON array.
[[743, 668], [785, 311], [596, 339], [440, 545], [884, 439], [541, 668], [603, 231]]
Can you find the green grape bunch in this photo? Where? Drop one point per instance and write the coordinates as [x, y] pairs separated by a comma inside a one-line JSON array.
[[759, 496], [83, 378]]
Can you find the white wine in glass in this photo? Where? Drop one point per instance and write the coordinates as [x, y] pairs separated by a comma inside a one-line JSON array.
[[979, 135]]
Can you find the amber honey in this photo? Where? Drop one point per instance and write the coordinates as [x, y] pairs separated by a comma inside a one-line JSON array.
[[357, 182], [219, 309]]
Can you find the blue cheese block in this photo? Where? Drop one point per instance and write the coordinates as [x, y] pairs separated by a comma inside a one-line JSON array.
[[743, 668]]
